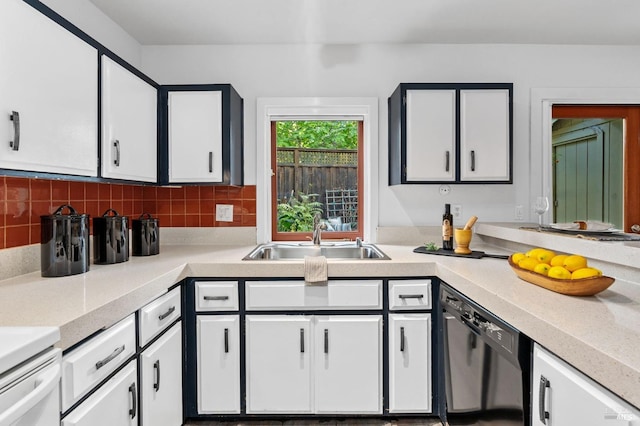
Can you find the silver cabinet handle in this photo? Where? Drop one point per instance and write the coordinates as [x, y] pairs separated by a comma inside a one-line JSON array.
[[156, 368], [216, 297], [134, 399], [411, 296], [446, 161], [166, 314], [226, 340], [302, 340], [110, 358], [401, 339], [542, 412], [326, 341], [116, 146], [15, 143], [473, 161], [210, 161]]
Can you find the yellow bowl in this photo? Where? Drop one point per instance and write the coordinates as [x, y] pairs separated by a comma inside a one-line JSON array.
[[579, 287]]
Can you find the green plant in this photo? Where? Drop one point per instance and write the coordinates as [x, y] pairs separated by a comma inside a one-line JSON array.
[[431, 246], [296, 215]]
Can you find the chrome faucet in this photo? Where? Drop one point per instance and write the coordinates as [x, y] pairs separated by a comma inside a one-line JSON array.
[[317, 228]]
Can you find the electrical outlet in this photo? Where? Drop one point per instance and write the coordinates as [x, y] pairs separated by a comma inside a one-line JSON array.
[[519, 212], [224, 212], [445, 189], [456, 211]]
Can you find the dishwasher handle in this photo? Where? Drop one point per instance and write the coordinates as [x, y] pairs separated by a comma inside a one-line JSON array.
[[44, 384]]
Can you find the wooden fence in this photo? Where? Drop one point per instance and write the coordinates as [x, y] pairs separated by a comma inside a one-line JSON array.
[[313, 171]]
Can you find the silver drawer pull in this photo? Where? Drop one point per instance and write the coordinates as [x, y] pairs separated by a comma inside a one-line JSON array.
[[411, 296], [166, 314], [542, 411], [116, 147], [110, 358], [156, 368], [133, 411], [15, 143], [216, 297], [226, 340], [401, 339]]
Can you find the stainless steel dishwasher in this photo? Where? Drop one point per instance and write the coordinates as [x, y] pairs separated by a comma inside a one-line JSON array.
[[486, 365]]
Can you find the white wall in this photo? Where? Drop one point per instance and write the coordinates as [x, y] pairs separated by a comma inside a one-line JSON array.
[[84, 15], [375, 70]]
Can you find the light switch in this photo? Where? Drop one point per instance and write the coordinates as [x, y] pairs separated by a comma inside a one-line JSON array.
[[224, 212]]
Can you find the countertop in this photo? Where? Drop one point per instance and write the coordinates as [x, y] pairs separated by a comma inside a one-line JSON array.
[[599, 335]]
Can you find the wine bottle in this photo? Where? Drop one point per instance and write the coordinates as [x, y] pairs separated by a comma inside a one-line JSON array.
[[447, 228]]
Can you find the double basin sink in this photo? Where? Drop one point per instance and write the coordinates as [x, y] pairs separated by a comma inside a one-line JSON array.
[[292, 251]]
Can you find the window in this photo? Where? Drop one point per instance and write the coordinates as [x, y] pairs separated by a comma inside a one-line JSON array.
[[364, 111], [318, 172]]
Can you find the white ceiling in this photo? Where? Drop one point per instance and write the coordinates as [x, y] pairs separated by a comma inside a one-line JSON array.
[[162, 22]]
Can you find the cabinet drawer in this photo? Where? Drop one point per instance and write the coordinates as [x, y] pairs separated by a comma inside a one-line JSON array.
[[216, 296], [409, 294], [294, 295], [95, 359], [157, 315]]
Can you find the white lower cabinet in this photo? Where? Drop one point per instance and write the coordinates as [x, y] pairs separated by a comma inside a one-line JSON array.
[[410, 363], [279, 369], [218, 352], [561, 395], [114, 404], [161, 380], [314, 364]]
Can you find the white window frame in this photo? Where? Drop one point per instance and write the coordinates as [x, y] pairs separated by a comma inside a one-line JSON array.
[[277, 109]]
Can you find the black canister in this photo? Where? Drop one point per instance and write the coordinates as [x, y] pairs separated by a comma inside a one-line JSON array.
[[145, 236], [110, 238], [64, 247]]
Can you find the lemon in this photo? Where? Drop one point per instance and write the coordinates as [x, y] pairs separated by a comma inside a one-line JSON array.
[[517, 257], [574, 262], [542, 269], [545, 256], [534, 252], [558, 260], [585, 273], [528, 263], [559, 272]]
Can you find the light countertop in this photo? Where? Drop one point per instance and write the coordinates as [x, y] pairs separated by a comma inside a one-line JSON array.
[[599, 335]]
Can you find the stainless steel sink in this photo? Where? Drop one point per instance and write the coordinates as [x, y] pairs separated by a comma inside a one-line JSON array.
[[288, 251]]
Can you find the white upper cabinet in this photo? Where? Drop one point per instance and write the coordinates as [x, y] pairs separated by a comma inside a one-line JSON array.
[[450, 133], [431, 135], [195, 136], [202, 134], [48, 76], [484, 135], [129, 125]]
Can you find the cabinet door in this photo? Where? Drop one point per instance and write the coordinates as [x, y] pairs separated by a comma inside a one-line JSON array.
[[278, 364], [129, 125], [572, 398], [195, 136], [348, 364], [218, 364], [485, 135], [48, 76], [114, 404], [431, 135], [161, 380], [409, 363]]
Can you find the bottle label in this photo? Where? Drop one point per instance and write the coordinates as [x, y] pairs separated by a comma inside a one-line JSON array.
[[446, 229]]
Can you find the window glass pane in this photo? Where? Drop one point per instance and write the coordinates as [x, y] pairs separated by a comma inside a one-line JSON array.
[[317, 173]]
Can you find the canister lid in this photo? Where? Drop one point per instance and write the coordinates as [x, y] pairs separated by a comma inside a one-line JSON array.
[[72, 214], [146, 217]]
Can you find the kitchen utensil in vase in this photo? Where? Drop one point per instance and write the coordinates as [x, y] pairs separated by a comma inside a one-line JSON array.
[[64, 243]]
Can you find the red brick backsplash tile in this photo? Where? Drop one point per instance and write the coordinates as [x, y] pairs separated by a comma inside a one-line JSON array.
[[24, 200]]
